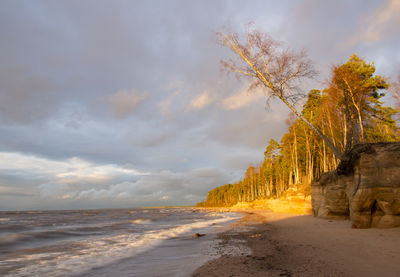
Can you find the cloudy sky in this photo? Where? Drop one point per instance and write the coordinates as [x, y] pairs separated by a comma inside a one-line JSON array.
[[123, 104]]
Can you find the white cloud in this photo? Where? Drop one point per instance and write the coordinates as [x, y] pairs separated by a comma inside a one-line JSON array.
[[200, 102], [54, 190], [153, 187], [70, 171], [84, 182], [121, 190]]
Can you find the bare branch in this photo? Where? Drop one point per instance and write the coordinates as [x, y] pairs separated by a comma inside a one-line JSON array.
[[277, 70]]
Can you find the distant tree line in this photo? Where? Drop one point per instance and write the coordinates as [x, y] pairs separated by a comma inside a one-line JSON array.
[[348, 112]]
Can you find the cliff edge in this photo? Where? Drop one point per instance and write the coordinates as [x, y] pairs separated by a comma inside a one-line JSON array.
[[365, 187]]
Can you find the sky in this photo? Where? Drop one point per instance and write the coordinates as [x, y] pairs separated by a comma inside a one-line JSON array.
[[114, 104]]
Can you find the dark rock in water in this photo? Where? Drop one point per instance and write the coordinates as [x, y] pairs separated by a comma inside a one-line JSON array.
[[197, 235], [364, 188]]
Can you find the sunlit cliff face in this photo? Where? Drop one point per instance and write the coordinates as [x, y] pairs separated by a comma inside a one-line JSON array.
[[123, 104]]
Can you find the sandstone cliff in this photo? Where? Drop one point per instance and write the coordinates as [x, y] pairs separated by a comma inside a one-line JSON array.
[[364, 188]]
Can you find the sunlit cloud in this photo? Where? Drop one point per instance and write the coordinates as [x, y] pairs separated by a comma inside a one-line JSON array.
[[125, 102], [175, 85], [200, 101], [381, 24], [242, 98], [164, 105]]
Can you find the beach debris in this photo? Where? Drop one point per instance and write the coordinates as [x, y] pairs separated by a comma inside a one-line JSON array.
[[197, 235]]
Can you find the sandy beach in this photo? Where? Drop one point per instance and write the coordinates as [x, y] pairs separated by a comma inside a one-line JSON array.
[[301, 245]]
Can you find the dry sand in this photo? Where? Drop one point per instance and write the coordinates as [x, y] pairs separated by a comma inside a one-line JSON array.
[[301, 245]]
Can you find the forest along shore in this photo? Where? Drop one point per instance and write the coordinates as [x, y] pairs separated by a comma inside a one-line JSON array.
[[301, 245]]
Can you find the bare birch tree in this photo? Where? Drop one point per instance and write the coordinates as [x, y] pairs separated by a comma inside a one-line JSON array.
[[267, 65]]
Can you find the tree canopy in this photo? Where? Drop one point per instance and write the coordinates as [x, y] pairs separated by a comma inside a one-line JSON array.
[[278, 70], [351, 106]]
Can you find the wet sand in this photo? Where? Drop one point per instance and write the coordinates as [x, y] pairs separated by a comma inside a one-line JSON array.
[[301, 245]]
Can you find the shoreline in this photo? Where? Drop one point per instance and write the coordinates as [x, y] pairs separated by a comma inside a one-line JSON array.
[[285, 244], [178, 255]]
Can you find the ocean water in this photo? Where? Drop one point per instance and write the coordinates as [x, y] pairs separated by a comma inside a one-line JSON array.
[[109, 242]]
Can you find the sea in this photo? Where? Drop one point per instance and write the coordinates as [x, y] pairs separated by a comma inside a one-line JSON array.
[[109, 242]]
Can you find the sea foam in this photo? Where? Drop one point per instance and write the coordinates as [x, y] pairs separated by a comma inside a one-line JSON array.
[[97, 252]]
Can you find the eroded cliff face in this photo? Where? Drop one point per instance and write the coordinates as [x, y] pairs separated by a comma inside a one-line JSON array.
[[364, 188]]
